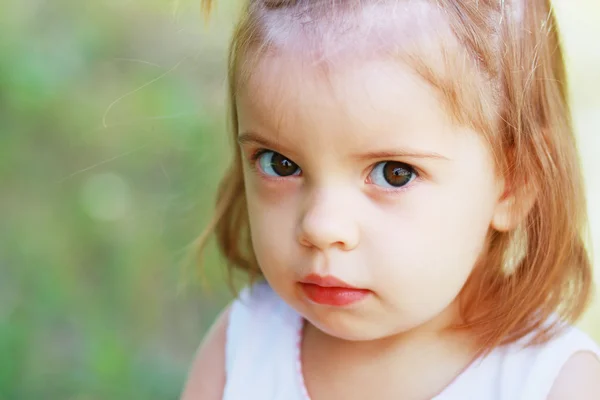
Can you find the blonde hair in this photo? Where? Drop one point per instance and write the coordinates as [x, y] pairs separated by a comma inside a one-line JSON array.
[[527, 276]]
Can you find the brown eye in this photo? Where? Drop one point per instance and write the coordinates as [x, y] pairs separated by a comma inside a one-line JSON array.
[[275, 164], [392, 174]]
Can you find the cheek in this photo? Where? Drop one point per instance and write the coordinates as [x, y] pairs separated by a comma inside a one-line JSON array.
[[429, 245], [272, 222]]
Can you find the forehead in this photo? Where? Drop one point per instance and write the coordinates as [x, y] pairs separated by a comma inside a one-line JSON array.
[[332, 32], [356, 57], [360, 105], [413, 33], [287, 81]]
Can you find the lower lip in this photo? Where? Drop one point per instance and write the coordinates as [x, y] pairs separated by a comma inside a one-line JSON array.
[[333, 296]]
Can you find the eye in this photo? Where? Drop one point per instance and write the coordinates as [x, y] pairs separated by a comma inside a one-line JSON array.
[[274, 164], [392, 174]]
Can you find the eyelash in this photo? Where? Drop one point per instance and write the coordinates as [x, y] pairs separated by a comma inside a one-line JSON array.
[[255, 155]]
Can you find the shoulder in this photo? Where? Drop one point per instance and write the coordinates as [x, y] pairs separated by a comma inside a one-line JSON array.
[[549, 370], [206, 379], [579, 378], [259, 318], [257, 328], [257, 307], [566, 367]]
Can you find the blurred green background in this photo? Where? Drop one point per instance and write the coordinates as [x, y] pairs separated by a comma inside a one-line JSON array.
[[112, 139]]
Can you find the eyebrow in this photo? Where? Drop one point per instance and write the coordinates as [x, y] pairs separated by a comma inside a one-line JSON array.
[[254, 138], [399, 153]]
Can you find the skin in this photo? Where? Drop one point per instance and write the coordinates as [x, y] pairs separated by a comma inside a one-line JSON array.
[[413, 247]]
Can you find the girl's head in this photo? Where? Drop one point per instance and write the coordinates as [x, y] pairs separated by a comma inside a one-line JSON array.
[[419, 149]]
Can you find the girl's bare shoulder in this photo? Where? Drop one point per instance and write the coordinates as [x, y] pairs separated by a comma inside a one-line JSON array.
[[206, 378], [578, 379]]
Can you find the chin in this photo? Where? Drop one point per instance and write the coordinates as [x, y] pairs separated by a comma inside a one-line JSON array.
[[351, 328], [359, 327]]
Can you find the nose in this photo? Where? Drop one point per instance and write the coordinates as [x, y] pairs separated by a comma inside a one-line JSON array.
[[329, 220]]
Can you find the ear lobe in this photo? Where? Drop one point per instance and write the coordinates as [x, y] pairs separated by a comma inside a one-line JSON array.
[[513, 207], [502, 220]]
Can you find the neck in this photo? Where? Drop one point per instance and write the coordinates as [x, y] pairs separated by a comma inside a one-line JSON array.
[[427, 353]]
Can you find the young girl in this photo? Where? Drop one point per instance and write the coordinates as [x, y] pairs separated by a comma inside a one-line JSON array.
[[406, 190]]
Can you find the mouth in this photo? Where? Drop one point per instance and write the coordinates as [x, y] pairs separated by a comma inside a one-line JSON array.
[[331, 291]]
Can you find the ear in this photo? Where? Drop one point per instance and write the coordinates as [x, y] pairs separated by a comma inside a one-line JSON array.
[[513, 206]]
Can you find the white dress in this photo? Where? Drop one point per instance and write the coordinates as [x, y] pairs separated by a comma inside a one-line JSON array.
[[262, 358]]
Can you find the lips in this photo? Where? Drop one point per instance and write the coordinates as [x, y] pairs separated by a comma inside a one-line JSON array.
[[328, 290]]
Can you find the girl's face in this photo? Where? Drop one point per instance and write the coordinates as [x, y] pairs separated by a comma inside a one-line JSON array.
[[359, 174]]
